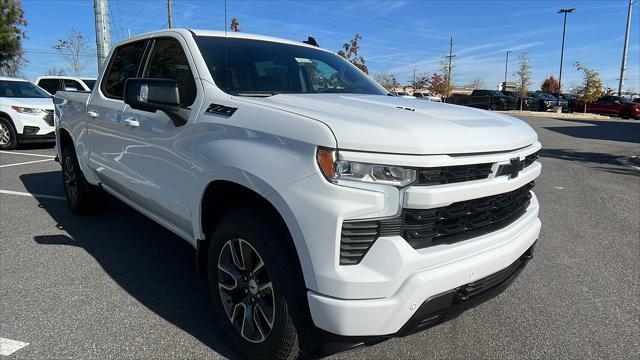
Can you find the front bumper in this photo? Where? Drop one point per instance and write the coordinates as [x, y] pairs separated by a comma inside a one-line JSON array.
[[389, 315]]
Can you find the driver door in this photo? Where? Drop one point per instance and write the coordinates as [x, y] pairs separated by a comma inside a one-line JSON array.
[[156, 149]]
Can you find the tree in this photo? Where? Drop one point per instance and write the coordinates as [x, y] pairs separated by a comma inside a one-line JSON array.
[[55, 71], [12, 22], [386, 79], [235, 25], [550, 85], [477, 84], [350, 52], [437, 86], [76, 49], [591, 88], [523, 75], [420, 82]]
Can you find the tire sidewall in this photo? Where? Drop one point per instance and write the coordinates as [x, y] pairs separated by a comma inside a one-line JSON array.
[[13, 141], [264, 238]]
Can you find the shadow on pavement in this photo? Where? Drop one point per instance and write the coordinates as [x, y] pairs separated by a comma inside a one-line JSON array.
[[153, 265], [607, 162], [601, 130]]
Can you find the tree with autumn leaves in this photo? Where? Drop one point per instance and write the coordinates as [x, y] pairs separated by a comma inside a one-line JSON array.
[[350, 52], [550, 85]]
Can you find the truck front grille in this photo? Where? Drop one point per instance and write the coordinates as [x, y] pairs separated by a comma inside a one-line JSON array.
[[460, 173], [423, 228]]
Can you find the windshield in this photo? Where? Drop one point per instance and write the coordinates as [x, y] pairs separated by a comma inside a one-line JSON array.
[[21, 89], [89, 83], [261, 68], [495, 93]]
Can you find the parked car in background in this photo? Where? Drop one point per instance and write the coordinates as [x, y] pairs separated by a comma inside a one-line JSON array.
[[403, 94], [26, 113], [484, 99], [563, 103], [528, 103], [571, 100], [314, 208], [543, 102], [66, 83], [427, 96], [611, 105]]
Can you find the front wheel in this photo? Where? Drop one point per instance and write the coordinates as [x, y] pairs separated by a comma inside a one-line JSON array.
[[625, 114], [259, 301], [8, 137]]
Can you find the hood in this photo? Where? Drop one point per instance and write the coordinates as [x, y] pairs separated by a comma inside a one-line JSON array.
[[396, 125], [38, 103]]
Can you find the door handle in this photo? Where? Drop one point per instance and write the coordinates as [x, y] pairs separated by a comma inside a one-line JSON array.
[[132, 122], [92, 114]]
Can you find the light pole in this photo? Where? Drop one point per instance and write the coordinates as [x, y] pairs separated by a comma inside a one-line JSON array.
[[506, 66], [624, 51], [564, 11]]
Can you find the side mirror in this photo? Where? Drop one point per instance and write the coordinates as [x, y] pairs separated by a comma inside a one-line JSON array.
[[152, 94]]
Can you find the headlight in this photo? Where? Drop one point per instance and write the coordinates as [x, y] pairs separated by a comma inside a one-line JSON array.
[[26, 110], [335, 170]]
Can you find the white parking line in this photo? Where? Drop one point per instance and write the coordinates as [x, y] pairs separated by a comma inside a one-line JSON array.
[[44, 196], [25, 163], [8, 346], [27, 154]]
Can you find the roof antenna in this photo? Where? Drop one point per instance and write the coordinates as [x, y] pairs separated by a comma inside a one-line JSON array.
[[311, 41]]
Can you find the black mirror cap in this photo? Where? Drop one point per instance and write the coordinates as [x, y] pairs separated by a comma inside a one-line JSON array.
[[149, 94]]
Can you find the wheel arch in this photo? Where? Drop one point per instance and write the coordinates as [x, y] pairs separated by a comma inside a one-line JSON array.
[[222, 196]]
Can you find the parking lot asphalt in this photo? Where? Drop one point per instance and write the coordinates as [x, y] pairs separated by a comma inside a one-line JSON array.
[[116, 285]]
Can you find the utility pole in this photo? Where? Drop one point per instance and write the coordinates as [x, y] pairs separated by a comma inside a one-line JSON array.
[[450, 57], [506, 66], [624, 51], [169, 15], [564, 30], [103, 31]]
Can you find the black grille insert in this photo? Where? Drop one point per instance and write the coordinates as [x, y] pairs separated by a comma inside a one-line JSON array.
[[48, 117], [423, 228], [453, 174]]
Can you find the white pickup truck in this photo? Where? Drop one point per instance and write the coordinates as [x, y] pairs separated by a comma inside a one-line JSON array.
[[322, 209]]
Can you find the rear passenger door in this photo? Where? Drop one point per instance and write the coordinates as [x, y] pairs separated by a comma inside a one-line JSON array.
[[155, 147], [105, 128]]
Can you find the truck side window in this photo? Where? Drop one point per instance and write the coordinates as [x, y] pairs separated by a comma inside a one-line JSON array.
[[51, 85], [168, 61], [123, 66]]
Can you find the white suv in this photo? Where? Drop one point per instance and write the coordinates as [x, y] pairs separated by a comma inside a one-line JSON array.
[[320, 207], [26, 113]]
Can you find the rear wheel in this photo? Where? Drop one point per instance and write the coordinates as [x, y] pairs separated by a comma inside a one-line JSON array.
[[625, 113], [259, 301], [82, 197], [8, 136]]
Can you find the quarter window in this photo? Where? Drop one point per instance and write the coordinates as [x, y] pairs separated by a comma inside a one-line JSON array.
[[168, 61], [124, 65]]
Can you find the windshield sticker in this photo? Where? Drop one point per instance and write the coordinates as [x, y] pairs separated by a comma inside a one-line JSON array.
[[303, 60]]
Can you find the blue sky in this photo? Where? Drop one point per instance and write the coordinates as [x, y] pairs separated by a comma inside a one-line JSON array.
[[397, 35]]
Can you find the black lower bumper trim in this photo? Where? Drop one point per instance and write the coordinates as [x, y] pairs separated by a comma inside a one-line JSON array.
[[440, 308], [50, 137]]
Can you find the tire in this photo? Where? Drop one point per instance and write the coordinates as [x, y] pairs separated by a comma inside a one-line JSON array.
[[8, 135], [625, 113], [236, 286], [82, 197], [493, 107]]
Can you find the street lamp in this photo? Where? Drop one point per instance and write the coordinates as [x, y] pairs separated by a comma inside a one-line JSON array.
[[564, 11], [506, 66]]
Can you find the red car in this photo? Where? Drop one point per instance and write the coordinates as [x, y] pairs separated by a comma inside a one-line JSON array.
[[611, 105]]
